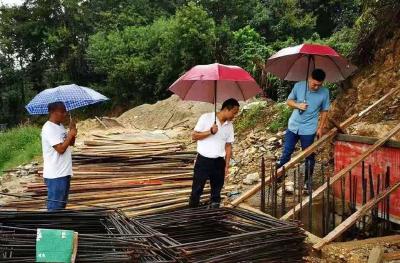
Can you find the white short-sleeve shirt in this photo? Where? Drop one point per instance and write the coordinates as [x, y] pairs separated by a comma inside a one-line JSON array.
[[55, 165], [214, 145]]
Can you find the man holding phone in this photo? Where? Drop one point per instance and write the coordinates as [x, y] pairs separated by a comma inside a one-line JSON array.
[[310, 103], [57, 156]]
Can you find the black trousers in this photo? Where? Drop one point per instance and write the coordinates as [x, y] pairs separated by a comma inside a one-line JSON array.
[[207, 169]]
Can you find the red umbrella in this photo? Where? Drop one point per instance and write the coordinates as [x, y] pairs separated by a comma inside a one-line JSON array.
[[291, 63], [296, 63], [215, 83]]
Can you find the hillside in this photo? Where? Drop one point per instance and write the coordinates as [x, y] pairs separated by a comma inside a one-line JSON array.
[[370, 83]]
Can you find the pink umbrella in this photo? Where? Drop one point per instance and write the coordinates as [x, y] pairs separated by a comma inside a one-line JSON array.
[[291, 63], [296, 63], [215, 83]]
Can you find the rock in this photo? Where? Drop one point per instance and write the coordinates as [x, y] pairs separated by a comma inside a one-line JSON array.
[[251, 179], [28, 166], [254, 104], [289, 187], [272, 140], [233, 170], [281, 134], [24, 173], [263, 149]]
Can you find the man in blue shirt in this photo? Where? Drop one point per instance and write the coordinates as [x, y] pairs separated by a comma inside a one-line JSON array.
[[303, 125]]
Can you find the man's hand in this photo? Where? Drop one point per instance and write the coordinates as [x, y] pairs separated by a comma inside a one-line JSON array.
[[72, 129], [214, 129], [302, 106], [226, 171], [320, 132], [72, 124], [72, 133]]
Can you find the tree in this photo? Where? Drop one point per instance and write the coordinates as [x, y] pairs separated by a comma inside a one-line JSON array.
[[140, 62]]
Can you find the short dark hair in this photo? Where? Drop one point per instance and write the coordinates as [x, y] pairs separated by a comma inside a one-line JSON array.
[[55, 105], [230, 104], [318, 74]]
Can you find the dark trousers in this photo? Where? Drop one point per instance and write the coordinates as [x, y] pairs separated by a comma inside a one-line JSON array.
[[57, 192], [291, 139], [207, 169]]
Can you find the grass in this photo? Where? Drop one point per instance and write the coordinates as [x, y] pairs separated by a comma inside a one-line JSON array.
[[249, 118], [273, 117], [18, 146]]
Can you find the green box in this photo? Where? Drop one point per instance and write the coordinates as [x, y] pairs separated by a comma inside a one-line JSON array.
[[54, 245]]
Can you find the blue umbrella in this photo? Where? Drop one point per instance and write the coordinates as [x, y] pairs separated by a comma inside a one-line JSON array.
[[73, 96]]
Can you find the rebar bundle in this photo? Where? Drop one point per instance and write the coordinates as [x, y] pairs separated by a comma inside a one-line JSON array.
[[189, 235], [228, 235], [104, 236]]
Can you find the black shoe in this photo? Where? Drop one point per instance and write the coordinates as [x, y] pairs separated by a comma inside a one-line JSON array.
[[214, 205]]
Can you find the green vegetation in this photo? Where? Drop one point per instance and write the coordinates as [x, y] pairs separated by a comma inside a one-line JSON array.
[[19, 145], [248, 119], [132, 50], [281, 121], [273, 117]]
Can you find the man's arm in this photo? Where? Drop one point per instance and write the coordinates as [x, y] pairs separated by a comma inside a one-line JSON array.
[[322, 123], [324, 114], [196, 136], [228, 152], [73, 142], [62, 147], [72, 126], [294, 105]]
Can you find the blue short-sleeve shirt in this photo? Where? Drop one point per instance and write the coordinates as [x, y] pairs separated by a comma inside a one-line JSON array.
[[307, 123]]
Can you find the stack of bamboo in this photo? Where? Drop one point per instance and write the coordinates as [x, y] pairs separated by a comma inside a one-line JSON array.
[[136, 176]]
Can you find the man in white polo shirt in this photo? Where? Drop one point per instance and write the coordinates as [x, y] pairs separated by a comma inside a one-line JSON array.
[[57, 159], [214, 135]]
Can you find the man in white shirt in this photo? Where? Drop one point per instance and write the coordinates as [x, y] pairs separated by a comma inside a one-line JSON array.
[[57, 158], [214, 135]]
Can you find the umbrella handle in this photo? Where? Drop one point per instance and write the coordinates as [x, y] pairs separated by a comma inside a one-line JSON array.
[[305, 91], [302, 111]]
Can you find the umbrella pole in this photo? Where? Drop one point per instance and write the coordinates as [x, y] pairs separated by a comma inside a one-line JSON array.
[[305, 91], [215, 102]]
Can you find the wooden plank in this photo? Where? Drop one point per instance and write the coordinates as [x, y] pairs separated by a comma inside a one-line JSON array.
[[376, 255], [337, 125], [354, 217], [302, 155], [366, 140], [101, 122], [391, 256], [342, 172]]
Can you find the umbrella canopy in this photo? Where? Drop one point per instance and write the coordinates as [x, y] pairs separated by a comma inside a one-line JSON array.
[[215, 83], [291, 63], [73, 96]]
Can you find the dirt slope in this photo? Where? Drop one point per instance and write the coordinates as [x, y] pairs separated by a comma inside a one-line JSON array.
[[368, 85]]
